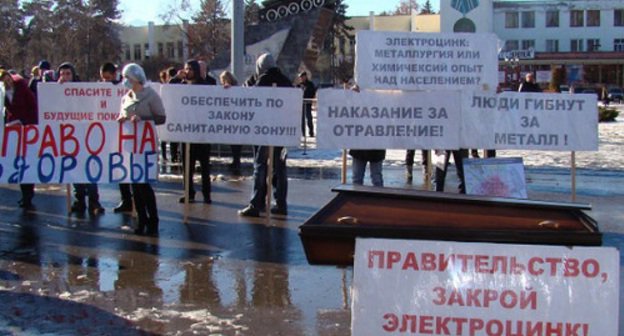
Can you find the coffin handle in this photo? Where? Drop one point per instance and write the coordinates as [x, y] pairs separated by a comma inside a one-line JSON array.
[[548, 224], [350, 220]]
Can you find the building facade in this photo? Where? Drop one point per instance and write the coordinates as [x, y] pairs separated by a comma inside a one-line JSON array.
[[582, 40]]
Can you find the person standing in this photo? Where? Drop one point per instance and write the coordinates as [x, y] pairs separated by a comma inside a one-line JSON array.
[[440, 171], [199, 152], [142, 103], [373, 157], [268, 75], [227, 79], [309, 92], [108, 73], [20, 107], [529, 85], [67, 73], [42, 67]]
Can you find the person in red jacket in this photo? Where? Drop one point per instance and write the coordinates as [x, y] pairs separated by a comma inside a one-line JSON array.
[[20, 107]]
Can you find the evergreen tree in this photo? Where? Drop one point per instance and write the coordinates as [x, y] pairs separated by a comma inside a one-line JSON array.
[[11, 27], [427, 8], [209, 32], [340, 36]]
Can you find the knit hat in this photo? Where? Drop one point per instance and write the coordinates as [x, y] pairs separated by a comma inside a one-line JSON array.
[[44, 65], [135, 72]]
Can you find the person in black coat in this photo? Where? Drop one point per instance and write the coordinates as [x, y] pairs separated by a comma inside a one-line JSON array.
[[529, 85], [199, 152], [309, 92], [267, 74]]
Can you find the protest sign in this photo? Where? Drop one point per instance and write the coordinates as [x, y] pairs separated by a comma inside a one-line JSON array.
[[78, 102], [388, 119], [500, 177], [97, 152], [453, 288], [533, 121], [426, 61], [212, 114]]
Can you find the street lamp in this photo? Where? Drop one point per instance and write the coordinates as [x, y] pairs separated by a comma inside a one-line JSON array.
[[512, 66]]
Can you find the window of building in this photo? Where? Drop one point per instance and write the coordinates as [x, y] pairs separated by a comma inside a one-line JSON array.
[[576, 18], [180, 49], [148, 52], [618, 44], [576, 45], [528, 44], [552, 18], [593, 18], [170, 50], [593, 44], [511, 45], [618, 17], [137, 52], [511, 20], [528, 19], [552, 45], [127, 52], [161, 49]]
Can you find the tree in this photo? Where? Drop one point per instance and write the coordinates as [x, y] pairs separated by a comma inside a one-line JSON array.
[[209, 32], [406, 7], [339, 36], [10, 27], [427, 8], [252, 13]]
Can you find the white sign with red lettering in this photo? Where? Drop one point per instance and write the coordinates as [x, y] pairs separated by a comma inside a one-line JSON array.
[[426, 61], [79, 102], [268, 116], [472, 289]]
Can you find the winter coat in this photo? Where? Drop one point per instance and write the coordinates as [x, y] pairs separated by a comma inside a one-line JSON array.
[[23, 106], [146, 104]]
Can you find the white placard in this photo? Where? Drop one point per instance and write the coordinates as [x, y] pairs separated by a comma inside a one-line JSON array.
[[268, 116], [426, 61], [531, 121], [388, 119], [500, 177], [451, 288], [84, 152], [79, 101]]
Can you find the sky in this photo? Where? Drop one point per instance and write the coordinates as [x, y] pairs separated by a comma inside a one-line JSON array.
[[139, 12]]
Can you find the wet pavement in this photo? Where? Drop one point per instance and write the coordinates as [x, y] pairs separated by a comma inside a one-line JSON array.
[[220, 274]]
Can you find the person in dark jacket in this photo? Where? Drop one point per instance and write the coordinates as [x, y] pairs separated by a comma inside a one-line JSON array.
[[43, 66], [309, 92], [529, 85], [199, 152], [67, 73], [268, 74], [20, 107]]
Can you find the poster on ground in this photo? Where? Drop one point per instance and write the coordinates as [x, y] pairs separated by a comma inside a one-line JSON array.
[[451, 288], [498, 177], [426, 61], [388, 119]]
